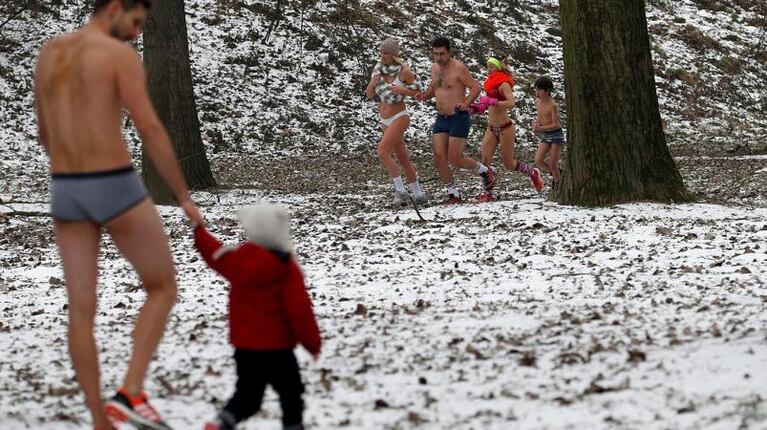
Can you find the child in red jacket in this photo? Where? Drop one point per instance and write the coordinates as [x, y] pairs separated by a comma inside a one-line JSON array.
[[269, 313]]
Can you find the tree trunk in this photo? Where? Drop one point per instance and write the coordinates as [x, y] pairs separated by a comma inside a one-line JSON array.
[[169, 76], [617, 150]]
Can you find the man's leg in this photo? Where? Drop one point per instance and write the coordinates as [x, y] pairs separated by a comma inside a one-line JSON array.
[[439, 149], [455, 154], [139, 236], [78, 244]]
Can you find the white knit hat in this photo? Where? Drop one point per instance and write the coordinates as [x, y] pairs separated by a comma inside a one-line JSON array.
[[267, 225]]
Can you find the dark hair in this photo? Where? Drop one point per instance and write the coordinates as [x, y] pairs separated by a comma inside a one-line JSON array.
[[544, 83], [98, 5], [441, 42]]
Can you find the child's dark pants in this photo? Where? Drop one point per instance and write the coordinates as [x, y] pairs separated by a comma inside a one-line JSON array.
[[256, 369]]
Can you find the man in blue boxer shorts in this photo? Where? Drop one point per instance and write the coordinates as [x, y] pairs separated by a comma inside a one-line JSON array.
[[450, 79]]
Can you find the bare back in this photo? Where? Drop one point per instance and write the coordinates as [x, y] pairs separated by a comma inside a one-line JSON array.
[[78, 102]]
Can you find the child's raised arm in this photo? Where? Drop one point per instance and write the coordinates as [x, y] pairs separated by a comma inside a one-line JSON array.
[[212, 251]]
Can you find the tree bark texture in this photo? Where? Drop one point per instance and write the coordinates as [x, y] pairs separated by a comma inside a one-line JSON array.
[[169, 76], [617, 149]]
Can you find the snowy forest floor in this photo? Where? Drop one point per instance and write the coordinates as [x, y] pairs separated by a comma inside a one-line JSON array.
[[514, 314]]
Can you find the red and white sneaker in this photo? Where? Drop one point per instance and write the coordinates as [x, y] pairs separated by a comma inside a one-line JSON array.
[[453, 200], [136, 410], [488, 180], [536, 179], [485, 197]]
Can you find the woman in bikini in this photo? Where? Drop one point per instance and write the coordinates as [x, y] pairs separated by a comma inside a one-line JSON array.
[[498, 101], [392, 80]]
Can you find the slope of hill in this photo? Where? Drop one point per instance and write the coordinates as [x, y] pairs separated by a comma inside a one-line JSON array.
[[288, 76]]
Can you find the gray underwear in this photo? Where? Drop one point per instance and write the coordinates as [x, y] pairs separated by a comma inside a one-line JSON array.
[[98, 196]]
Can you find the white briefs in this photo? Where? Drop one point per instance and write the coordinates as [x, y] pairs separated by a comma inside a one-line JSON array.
[[388, 121]]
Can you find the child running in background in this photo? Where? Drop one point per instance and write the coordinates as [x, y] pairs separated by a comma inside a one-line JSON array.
[[269, 313], [548, 129], [499, 99]]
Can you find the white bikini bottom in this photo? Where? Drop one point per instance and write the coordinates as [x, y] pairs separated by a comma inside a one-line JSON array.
[[388, 121]]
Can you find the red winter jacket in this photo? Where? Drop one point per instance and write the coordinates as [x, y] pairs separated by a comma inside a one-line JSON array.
[[269, 307]]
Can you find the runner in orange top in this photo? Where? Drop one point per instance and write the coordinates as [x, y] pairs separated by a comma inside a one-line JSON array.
[[501, 129]]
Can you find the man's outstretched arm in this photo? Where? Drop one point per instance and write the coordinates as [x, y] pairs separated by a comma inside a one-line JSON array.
[[41, 134], [131, 84]]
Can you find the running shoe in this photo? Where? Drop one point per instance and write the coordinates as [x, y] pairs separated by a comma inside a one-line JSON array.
[[488, 180], [453, 200], [485, 197], [400, 199], [136, 410], [536, 179], [421, 200]]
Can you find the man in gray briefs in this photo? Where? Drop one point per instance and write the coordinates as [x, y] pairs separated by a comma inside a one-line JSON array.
[[82, 82]]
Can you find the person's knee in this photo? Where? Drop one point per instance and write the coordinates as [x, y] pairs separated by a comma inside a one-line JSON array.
[[162, 288], [82, 307], [383, 151]]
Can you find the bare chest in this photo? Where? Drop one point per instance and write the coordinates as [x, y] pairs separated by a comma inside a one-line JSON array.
[[446, 79]]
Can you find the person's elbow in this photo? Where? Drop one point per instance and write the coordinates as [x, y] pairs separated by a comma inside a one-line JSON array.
[[149, 130]]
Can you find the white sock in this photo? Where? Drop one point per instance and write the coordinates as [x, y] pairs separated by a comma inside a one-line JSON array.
[[481, 168], [416, 188], [452, 190], [398, 185]]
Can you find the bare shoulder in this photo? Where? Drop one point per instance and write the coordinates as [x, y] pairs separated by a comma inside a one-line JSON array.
[[552, 104], [47, 56], [119, 50], [52, 46]]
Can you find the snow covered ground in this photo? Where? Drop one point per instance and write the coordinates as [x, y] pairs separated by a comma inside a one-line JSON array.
[[515, 314]]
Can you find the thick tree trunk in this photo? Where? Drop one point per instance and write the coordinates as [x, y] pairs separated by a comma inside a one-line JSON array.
[[166, 55], [617, 150]]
